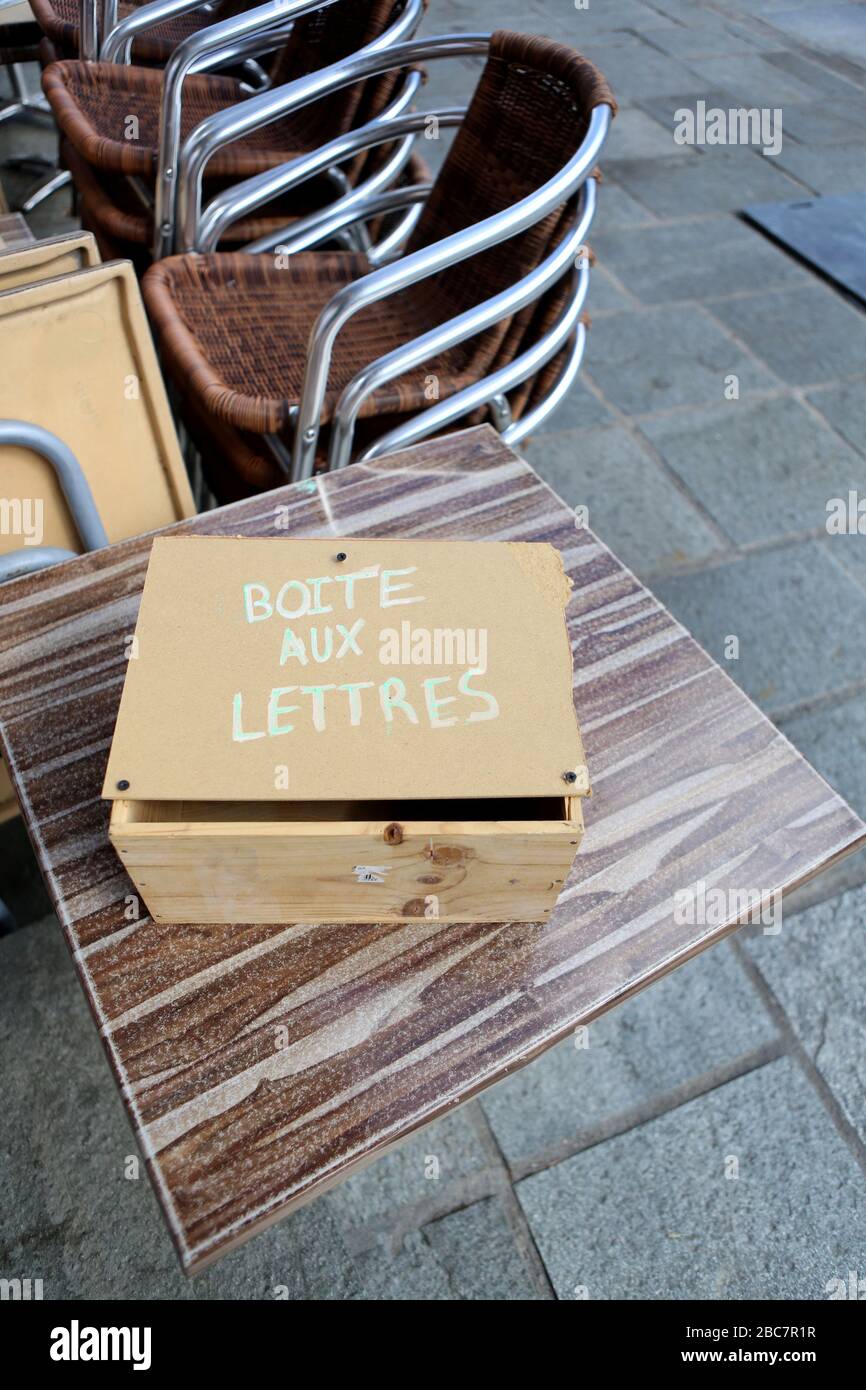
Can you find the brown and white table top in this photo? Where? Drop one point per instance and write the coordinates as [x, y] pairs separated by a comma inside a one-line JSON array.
[[261, 1064]]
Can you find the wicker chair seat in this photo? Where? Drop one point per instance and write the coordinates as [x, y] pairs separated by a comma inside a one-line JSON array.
[[234, 331], [58, 19], [92, 103]]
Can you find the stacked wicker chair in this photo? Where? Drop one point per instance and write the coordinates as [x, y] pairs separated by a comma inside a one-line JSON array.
[[314, 354], [60, 22], [115, 176]]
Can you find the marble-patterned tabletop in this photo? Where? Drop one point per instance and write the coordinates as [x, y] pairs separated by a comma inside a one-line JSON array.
[[261, 1064]]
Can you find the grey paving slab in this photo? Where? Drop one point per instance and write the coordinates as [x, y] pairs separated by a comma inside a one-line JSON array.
[[839, 28], [806, 335], [632, 505], [651, 1214], [599, 23], [694, 260], [469, 1255], [766, 7], [822, 123], [720, 180], [635, 135], [704, 1016], [850, 550], [430, 1170], [816, 967], [849, 873], [762, 469], [833, 76], [663, 106], [637, 69], [581, 409], [605, 296], [833, 739], [844, 407], [795, 614], [617, 208], [705, 40], [837, 169], [691, 369], [752, 79]]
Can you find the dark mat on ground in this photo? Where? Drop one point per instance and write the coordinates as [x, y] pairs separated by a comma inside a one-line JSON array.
[[829, 233]]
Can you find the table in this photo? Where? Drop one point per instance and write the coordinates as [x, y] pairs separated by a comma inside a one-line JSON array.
[[383, 1028]]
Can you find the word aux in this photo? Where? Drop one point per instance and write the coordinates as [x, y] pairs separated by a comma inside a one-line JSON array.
[[738, 126], [76, 1343], [22, 516], [700, 906], [436, 701]]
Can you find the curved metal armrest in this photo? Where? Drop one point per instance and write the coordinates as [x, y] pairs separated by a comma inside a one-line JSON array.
[[456, 330], [487, 389], [116, 45], [73, 484], [374, 196], [242, 34], [203, 234], [358, 206], [380, 56], [16, 563], [427, 261]]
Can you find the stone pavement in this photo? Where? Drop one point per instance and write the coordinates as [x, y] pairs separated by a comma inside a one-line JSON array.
[[707, 1139]]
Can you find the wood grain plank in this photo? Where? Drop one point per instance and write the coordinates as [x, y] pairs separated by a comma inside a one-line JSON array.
[[260, 1064]]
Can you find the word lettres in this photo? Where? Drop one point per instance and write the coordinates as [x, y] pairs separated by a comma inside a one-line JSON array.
[[437, 702]]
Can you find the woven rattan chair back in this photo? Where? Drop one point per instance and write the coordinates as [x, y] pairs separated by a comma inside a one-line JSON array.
[[528, 116]]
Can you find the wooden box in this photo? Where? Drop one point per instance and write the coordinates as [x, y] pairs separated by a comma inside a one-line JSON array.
[[347, 730]]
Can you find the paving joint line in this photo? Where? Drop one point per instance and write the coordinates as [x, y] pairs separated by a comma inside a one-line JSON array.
[[634, 1117], [795, 1048]]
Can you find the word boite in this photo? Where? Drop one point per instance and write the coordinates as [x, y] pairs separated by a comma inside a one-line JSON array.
[[348, 730]]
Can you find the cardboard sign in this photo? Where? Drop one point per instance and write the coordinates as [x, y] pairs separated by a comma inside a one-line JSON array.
[[348, 670]]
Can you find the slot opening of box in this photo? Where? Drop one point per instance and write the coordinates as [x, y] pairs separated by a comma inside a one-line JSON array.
[[499, 809]]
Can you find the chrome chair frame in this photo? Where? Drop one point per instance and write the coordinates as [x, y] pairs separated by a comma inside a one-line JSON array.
[[204, 227], [390, 276], [98, 19], [200, 231], [241, 36], [75, 489], [261, 110]]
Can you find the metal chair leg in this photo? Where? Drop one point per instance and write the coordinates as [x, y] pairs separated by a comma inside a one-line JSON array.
[[24, 101], [58, 180]]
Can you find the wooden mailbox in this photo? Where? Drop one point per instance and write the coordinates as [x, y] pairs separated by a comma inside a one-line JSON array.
[[348, 731]]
